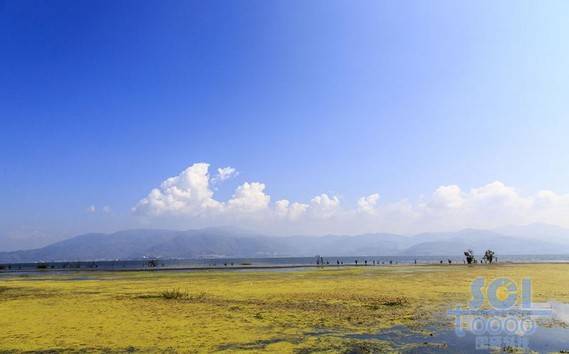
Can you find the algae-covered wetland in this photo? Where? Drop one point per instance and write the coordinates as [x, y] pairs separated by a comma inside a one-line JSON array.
[[330, 309]]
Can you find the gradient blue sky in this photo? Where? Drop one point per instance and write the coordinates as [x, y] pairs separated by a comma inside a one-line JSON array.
[[102, 100]]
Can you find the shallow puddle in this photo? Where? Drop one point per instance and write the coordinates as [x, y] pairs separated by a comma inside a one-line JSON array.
[[444, 340]]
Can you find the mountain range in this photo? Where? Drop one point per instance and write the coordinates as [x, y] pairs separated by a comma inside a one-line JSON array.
[[223, 242]]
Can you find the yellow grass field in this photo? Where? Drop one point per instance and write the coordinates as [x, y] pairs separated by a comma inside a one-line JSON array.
[[271, 311]]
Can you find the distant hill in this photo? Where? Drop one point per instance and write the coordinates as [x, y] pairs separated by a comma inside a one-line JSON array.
[[218, 242], [549, 233], [453, 243], [136, 244]]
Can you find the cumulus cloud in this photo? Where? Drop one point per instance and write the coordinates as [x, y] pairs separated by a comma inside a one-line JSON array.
[[249, 197], [323, 206], [448, 197], [189, 197], [368, 204], [291, 211], [187, 194]]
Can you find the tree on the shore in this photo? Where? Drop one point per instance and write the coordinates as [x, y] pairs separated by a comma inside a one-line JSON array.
[[469, 254], [489, 256]]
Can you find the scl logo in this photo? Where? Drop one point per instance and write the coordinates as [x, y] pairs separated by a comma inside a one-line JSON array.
[[502, 294], [508, 319]]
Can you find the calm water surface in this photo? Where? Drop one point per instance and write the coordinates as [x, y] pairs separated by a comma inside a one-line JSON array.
[[223, 263]]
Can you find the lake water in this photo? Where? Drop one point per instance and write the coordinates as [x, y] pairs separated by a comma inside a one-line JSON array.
[[544, 340], [223, 263]]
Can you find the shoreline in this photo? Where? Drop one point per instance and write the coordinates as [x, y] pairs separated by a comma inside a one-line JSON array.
[[262, 267]]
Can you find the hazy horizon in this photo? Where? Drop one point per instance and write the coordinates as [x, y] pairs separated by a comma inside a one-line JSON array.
[[535, 231]]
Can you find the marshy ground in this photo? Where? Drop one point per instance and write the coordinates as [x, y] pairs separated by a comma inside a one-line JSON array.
[[308, 310]]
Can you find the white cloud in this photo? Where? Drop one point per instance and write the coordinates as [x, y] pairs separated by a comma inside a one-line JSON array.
[[92, 209], [322, 206], [189, 198], [224, 173], [368, 204], [249, 197], [449, 197], [188, 194], [291, 211]]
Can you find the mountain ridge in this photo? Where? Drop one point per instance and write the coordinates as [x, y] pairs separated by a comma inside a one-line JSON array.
[[226, 242]]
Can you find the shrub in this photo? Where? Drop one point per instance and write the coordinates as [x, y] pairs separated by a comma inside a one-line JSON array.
[[174, 294], [177, 294]]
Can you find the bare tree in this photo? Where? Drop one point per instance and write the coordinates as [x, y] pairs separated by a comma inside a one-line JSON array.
[[489, 256], [469, 254]]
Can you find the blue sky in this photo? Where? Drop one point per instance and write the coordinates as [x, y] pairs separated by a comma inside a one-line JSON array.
[[101, 101]]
